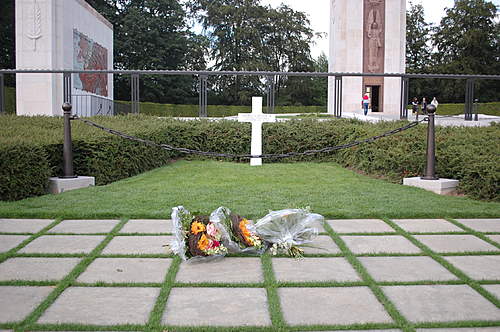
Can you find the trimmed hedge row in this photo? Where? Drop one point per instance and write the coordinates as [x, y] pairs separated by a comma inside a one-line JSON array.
[[218, 111], [10, 100], [457, 109], [24, 171], [468, 154]]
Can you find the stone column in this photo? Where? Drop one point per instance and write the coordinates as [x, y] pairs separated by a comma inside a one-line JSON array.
[[395, 57], [357, 45], [346, 51]]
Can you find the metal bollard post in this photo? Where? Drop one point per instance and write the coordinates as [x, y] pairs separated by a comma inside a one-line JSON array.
[[67, 147], [430, 168]]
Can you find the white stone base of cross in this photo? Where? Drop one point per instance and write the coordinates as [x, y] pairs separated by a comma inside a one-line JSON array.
[[257, 118]]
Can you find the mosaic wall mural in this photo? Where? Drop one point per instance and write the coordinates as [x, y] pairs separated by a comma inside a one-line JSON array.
[[89, 55]]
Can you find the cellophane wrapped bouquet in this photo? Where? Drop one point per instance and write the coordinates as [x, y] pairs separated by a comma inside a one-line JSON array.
[[196, 238], [287, 230], [242, 235]]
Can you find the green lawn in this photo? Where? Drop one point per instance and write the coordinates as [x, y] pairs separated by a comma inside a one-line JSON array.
[[202, 186]]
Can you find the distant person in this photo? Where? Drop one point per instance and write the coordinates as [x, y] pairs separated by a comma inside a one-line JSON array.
[[434, 102], [365, 103], [414, 105], [424, 105]]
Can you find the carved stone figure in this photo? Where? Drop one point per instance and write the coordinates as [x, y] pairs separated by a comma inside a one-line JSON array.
[[374, 40]]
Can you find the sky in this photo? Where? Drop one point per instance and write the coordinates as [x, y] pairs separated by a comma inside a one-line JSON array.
[[319, 12]]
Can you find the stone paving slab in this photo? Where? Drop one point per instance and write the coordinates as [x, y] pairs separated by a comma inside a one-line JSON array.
[[441, 303], [102, 306], [427, 225], [314, 269], [84, 226], [217, 307], [147, 226], [477, 267], [8, 242], [36, 268], [336, 305], [462, 329], [455, 243], [227, 270], [138, 245], [493, 289], [126, 270], [23, 225], [380, 244], [482, 225], [322, 244], [17, 302], [63, 244], [360, 226], [416, 268]]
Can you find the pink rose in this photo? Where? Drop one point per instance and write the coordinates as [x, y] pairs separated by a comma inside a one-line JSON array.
[[211, 230]]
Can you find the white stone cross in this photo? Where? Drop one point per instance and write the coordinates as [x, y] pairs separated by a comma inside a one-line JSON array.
[[257, 118]]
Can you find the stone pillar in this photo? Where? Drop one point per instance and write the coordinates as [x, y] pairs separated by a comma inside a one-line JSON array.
[[346, 52], [395, 53], [45, 39], [367, 36], [35, 44]]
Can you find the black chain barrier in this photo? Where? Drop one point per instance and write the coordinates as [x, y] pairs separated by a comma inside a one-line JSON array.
[[248, 156]]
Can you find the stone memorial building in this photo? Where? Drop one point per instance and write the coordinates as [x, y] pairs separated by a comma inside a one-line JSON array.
[[62, 34], [367, 36]]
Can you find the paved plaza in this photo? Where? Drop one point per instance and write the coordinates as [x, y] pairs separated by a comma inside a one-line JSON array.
[[424, 275]]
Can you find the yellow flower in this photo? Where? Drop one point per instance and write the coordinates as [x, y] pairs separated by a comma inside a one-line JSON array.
[[197, 227], [203, 242], [243, 228]]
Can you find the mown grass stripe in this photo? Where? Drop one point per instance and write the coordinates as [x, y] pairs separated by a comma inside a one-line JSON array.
[[469, 323], [84, 327], [391, 309], [366, 326], [273, 299], [156, 315], [29, 283], [68, 280], [450, 267]]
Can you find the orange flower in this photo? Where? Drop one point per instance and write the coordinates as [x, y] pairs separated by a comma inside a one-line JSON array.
[[203, 242], [243, 228], [197, 227]]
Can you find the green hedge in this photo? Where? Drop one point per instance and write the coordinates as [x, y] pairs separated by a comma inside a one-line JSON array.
[[457, 109], [24, 171], [467, 154], [174, 110], [10, 100]]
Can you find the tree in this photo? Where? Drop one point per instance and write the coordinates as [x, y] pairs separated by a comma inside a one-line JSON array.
[[246, 36], [7, 36], [149, 35], [467, 42], [320, 84], [418, 48]]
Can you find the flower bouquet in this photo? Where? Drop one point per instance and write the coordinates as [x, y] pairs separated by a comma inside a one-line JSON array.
[[287, 230], [196, 237], [242, 234]]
